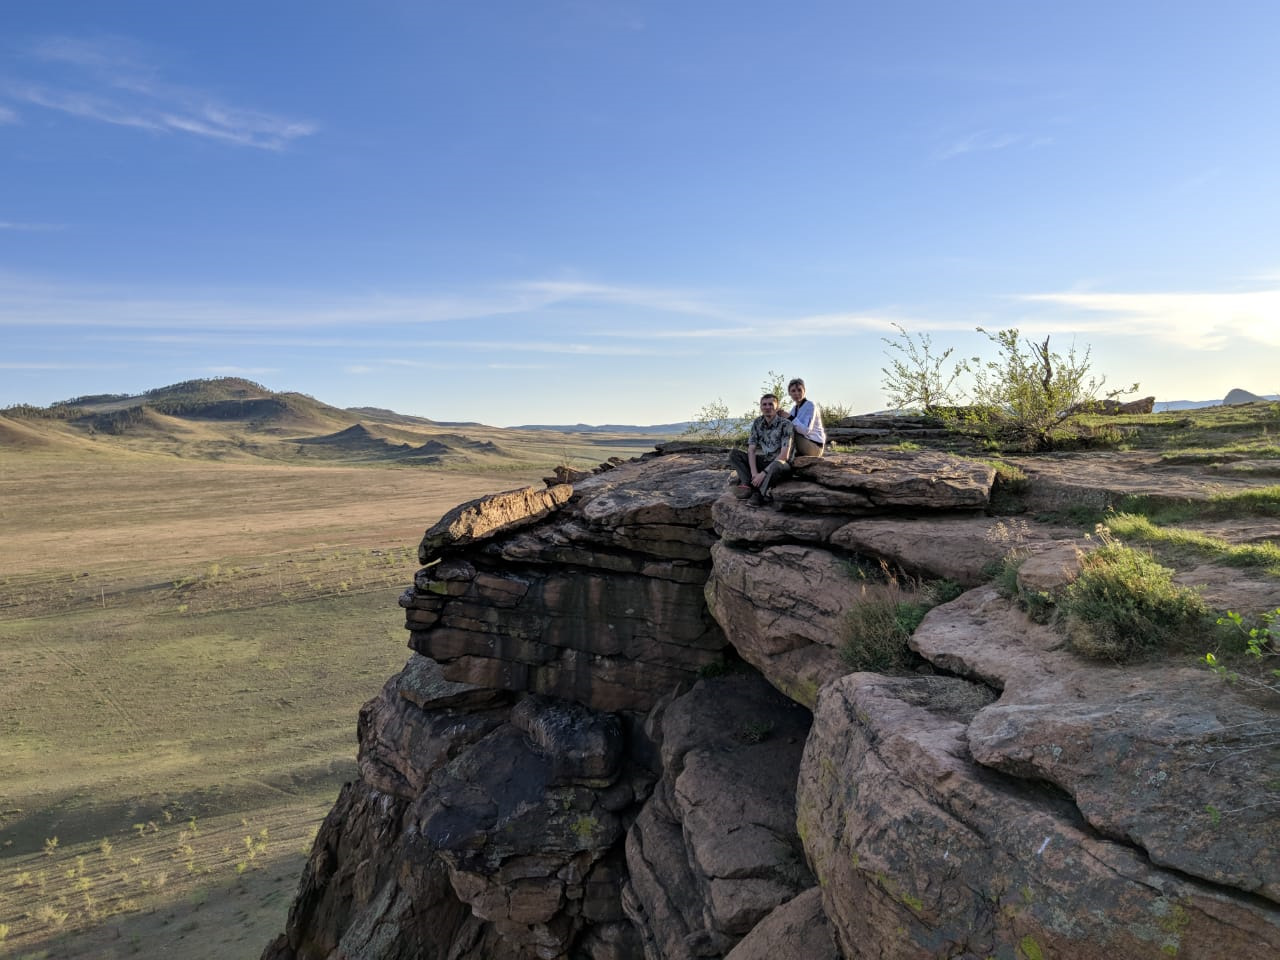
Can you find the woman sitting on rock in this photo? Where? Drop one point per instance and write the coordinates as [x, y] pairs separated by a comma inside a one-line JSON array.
[[806, 419]]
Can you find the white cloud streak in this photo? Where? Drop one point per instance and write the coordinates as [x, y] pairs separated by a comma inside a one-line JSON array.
[[241, 371], [8, 114], [107, 83], [61, 366], [983, 141], [1197, 321], [31, 227]]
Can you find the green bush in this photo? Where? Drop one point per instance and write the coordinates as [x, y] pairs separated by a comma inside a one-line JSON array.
[[1260, 643], [1125, 605], [1036, 389]]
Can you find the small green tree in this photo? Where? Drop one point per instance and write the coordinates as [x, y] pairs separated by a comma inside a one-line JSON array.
[[1030, 390], [716, 426], [916, 378]]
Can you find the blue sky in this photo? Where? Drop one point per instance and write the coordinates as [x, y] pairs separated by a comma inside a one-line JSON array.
[[564, 210]]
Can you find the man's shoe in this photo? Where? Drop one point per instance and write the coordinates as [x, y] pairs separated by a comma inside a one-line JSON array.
[[743, 490], [755, 499]]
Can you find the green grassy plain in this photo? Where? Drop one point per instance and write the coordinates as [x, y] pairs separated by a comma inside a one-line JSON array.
[[184, 646]]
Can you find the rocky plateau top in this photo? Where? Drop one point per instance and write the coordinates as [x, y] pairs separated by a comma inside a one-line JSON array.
[[627, 731]]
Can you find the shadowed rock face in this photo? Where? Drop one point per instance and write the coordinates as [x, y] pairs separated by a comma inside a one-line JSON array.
[[480, 827], [550, 778], [715, 849], [601, 603]]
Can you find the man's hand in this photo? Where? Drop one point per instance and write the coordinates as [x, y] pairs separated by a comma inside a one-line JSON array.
[[757, 478]]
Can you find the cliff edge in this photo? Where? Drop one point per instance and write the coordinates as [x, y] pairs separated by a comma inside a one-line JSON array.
[[627, 731]]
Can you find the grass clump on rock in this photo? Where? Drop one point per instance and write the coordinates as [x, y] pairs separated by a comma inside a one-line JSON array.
[[1125, 605], [878, 628]]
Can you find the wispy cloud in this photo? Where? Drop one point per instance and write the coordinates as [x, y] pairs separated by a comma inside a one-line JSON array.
[[1199, 321], [664, 300], [31, 227], [241, 371], [26, 304], [109, 81], [60, 366], [8, 114], [981, 141]]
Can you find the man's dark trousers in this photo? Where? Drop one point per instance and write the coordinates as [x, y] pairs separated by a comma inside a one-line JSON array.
[[774, 470]]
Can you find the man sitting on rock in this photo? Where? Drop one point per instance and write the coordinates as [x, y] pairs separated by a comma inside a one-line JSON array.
[[806, 419], [768, 456]]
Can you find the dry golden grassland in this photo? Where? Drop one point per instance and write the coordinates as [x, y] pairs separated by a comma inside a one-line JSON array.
[[184, 646]]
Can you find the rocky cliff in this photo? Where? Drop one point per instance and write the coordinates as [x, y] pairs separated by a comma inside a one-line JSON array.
[[627, 732]]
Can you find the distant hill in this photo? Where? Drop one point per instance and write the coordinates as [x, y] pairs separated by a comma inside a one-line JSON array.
[[655, 429], [382, 415], [1234, 397], [221, 398], [233, 419]]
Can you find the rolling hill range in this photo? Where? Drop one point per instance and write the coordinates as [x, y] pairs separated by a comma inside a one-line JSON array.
[[232, 419]]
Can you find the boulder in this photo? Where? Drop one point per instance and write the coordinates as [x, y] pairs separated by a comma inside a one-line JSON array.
[[1167, 758], [782, 608], [798, 928], [738, 522], [1145, 405], [922, 852]]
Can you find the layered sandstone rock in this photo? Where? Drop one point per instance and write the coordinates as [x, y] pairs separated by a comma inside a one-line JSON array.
[[923, 852], [1154, 755], [601, 603], [552, 779], [783, 583]]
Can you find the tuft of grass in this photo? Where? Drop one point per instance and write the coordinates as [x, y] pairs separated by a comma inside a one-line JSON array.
[[1256, 502], [1125, 605], [1223, 454], [1142, 529], [1010, 478], [877, 628]]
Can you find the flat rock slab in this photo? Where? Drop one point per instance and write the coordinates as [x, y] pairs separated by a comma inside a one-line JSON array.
[[956, 548], [922, 480], [1100, 480], [485, 517], [1167, 757]]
